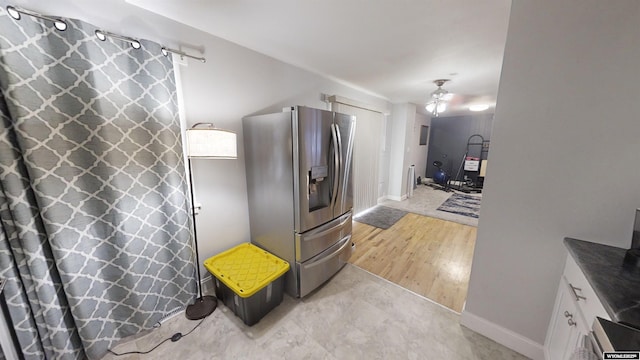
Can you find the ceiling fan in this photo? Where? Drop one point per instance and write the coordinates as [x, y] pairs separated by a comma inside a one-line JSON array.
[[439, 98]]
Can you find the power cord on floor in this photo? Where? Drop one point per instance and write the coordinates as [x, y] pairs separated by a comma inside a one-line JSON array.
[[175, 337]]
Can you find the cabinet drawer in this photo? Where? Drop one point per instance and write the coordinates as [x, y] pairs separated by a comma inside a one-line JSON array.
[[582, 292]]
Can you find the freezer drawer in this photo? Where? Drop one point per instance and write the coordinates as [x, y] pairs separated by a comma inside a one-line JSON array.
[[313, 242], [314, 272]]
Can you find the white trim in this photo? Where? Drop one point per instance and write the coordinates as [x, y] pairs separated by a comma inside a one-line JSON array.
[[503, 336], [208, 285], [395, 198], [358, 104]]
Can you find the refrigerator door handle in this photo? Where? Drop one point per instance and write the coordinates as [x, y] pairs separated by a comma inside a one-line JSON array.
[[339, 137], [340, 187], [327, 231], [347, 242], [336, 164], [308, 188]]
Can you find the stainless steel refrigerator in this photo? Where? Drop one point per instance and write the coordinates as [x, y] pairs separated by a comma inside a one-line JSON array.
[[299, 180]]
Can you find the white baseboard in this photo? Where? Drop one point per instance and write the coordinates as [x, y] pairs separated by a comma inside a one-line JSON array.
[[394, 198], [503, 336], [208, 285]]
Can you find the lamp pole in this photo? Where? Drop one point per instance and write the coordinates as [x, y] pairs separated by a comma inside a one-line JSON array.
[[211, 143], [204, 305]]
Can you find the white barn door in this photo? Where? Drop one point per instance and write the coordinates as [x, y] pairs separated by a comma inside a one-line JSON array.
[[368, 180]]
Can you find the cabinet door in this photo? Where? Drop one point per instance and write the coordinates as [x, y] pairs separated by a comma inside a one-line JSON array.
[[573, 343], [575, 310], [563, 335], [588, 302], [576, 342]]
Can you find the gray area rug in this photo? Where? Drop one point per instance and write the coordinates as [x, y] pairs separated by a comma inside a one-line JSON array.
[[381, 217], [462, 204], [426, 200]]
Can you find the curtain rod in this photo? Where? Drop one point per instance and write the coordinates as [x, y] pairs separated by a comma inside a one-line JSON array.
[[61, 25], [166, 50], [103, 35]]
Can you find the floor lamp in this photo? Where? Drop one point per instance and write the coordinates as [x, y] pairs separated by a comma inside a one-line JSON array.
[[204, 141]]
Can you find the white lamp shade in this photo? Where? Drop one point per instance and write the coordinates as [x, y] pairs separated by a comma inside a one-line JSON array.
[[211, 144]]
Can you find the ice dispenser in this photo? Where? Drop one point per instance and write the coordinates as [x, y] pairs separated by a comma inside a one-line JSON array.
[[319, 190]]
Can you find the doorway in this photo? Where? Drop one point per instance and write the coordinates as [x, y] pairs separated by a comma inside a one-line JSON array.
[[429, 250]]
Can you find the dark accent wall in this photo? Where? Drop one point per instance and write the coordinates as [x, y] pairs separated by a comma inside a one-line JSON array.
[[448, 140]]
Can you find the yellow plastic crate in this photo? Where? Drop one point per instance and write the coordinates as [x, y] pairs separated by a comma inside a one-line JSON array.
[[246, 268]]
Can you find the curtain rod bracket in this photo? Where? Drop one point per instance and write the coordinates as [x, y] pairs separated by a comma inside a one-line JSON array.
[[16, 13], [166, 51]]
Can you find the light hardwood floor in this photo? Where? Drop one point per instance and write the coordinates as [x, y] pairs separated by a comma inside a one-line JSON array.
[[428, 256]]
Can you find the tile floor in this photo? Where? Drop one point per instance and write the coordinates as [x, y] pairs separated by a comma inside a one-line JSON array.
[[425, 201], [356, 315]]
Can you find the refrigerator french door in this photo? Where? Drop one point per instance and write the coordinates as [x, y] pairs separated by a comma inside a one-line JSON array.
[[300, 191]]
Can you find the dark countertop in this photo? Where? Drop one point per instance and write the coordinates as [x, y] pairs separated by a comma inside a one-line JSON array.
[[616, 284]]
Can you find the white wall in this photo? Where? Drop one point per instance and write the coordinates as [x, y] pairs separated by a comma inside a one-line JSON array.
[[408, 155], [397, 124], [419, 152], [233, 83], [402, 121], [564, 153], [385, 157]]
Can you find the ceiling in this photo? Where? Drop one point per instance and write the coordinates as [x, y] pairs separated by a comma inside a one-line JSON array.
[[393, 49]]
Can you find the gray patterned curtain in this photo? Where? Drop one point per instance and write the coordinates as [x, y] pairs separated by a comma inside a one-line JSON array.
[[95, 236]]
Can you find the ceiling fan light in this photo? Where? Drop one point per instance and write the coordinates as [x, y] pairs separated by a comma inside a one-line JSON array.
[[479, 107], [430, 107], [436, 107], [439, 98], [439, 93]]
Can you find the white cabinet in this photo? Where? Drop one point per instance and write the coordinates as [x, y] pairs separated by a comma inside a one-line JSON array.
[[566, 325], [575, 310], [583, 293]]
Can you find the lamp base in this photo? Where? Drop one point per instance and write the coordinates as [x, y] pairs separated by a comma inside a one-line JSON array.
[[202, 308]]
